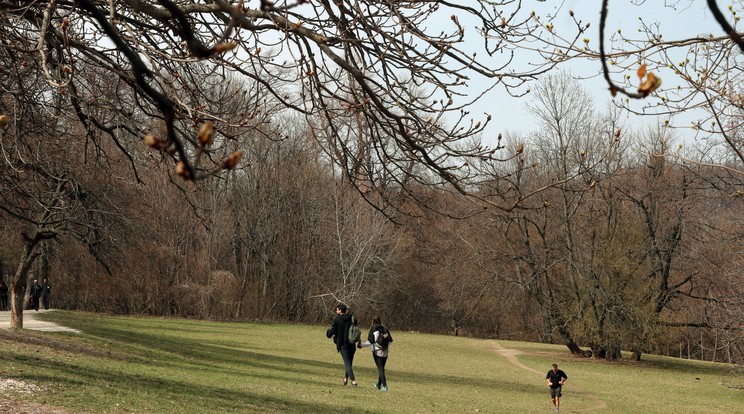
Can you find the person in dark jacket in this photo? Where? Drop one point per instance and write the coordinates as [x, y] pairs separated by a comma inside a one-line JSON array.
[[339, 330], [46, 290], [3, 296], [379, 338], [34, 295]]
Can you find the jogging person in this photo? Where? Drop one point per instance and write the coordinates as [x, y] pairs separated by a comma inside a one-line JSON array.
[[556, 378]]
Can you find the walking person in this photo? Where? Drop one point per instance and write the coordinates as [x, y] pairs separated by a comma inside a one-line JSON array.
[[3, 295], [46, 290], [339, 330], [556, 378], [379, 338], [34, 294]]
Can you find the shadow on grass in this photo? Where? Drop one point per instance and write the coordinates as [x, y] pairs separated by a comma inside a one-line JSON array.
[[154, 394], [686, 365], [237, 362]]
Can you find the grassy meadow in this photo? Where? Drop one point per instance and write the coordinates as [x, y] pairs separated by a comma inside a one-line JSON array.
[[153, 365]]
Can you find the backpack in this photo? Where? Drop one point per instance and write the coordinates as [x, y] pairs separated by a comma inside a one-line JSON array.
[[379, 341], [383, 339], [355, 334]]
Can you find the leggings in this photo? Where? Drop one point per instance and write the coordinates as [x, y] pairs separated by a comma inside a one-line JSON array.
[[347, 353], [380, 362]]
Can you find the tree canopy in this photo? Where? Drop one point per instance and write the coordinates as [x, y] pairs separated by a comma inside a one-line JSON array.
[[386, 85]]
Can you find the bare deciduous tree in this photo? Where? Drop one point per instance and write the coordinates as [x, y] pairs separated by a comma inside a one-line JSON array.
[[45, 200]]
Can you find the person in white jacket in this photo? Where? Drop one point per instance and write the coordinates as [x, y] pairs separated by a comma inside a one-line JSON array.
[[379, 338]]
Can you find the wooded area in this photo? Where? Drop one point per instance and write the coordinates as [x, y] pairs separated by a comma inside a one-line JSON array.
[[235, 161]]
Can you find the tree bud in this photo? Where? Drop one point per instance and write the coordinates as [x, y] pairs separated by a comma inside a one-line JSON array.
[[152, 141], [224, 47], [232, 160], [206, 133], [182, 170]]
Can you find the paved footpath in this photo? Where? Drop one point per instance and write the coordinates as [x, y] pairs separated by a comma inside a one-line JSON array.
[[30, 322]]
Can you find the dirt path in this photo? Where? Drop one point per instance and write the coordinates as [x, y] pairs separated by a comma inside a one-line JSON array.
[[30, 322], [511, 356]]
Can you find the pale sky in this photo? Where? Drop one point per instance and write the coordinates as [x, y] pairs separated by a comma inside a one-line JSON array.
[[687, 19]]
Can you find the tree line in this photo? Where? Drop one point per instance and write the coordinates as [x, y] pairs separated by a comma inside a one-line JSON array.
[[613, 246], [265, 160]]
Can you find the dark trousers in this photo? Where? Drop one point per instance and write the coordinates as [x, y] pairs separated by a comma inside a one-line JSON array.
[[45, 301], [347, 353], [380, 362], [4, 302]]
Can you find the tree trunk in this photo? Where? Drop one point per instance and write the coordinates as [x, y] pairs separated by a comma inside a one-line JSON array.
[[609, 353], [19, 281], [577, 351], [559, 324], [17, 294], [455, 328], [612, 354], [240, 271], [568, 338]]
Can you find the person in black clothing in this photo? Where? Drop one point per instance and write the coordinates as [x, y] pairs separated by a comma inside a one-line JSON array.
[[34, 295], [556, 378], [3, 296], [339, 330], [379, 338], [46, 290]]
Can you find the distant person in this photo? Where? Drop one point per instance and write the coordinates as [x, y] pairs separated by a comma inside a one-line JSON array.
[[3, 296], [556, 378], [46, 290], [339, 330], [34, 294], [379, 339]]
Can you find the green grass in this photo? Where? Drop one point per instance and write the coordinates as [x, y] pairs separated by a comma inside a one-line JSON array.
[[150, 365]]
